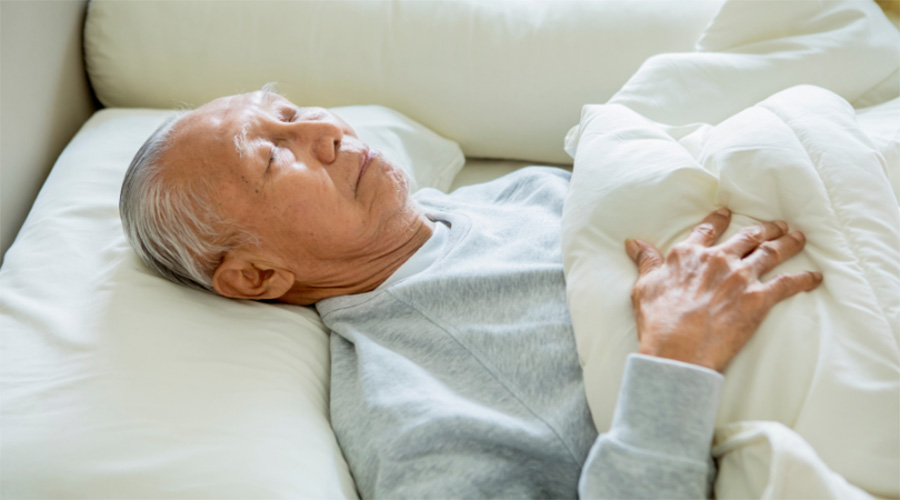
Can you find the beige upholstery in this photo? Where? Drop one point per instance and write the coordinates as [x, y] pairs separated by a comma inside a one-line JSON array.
[[44, 97], [504, 79]]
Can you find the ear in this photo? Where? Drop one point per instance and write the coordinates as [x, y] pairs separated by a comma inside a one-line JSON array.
[[244, 276]]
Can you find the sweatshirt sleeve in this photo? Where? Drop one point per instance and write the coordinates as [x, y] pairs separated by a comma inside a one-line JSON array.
[[659, 443]]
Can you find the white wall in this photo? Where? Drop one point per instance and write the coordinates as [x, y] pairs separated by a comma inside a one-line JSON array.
[[44, 98]]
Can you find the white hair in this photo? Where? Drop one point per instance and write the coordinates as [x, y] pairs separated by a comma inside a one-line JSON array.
[[172, 225]]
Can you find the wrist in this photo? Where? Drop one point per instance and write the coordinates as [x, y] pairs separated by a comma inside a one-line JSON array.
[[678, 350]]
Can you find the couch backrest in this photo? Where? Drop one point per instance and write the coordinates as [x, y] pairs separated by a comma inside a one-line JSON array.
[[505, 79]]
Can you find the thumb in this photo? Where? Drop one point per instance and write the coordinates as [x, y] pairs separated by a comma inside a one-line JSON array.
[[645, 255]]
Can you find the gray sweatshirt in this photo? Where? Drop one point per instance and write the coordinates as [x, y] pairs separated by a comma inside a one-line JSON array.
[[462, 380]]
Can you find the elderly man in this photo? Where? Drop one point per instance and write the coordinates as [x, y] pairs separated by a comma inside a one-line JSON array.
[[454, 369]]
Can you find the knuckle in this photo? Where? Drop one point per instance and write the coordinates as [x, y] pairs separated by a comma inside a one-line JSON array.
[[636, 295], [678, 253], [788, 247], [798, 237], [740, 278], [752, 233], [644, 258], [784, 286], [640, 255], [770, 251], [803, 281], [762, 232], [773, 230], [716, 259], [749, 238], [706, 229], [673, 259], [717, 255], [756, 296]]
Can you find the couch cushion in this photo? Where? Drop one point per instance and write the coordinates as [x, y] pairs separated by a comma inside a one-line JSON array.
[[505, 79]]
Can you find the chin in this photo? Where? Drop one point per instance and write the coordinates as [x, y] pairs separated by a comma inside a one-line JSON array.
[[399, 176]]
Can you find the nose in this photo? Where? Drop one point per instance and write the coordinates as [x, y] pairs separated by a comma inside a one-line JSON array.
[[321, 137]]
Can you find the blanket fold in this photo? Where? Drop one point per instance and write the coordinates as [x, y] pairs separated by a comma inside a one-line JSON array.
[[684, 137]]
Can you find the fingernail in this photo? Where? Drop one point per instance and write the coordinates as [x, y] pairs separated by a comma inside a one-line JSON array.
[[781, 225], [817, 275], [724, 212], [797, 235]]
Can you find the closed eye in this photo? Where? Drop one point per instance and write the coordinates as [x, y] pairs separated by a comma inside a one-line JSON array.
[[272, 154]]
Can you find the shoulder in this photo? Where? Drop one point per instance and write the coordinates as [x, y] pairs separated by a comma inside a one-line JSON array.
[[533, 175], [540, 175], [526, 182], [533, 185]]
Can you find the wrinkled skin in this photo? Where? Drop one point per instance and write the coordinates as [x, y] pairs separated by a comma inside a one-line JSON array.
[[703, 301]]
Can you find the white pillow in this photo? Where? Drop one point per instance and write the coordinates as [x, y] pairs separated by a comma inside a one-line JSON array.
[[429, 159], [117, 383]]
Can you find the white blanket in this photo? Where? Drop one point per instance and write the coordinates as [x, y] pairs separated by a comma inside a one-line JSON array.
[[811, 406]]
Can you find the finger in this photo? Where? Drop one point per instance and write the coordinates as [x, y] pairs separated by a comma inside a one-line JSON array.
[[788, 285], [753, 236], [709, 230], [645, 255], [771, 253]]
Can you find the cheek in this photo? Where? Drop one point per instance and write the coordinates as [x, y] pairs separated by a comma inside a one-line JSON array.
[[402, 180], [327, 221], [399, 180], [312, 213]]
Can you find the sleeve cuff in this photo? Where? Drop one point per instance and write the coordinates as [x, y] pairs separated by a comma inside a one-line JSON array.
[[667, 406]]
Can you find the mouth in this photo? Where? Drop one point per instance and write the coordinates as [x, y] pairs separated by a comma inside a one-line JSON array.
[[365, 160]]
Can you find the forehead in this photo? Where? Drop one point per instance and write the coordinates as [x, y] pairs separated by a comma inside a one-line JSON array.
[[226, 113], [206, 136]]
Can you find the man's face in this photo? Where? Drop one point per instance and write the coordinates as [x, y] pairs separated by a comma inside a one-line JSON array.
[[299, 178]]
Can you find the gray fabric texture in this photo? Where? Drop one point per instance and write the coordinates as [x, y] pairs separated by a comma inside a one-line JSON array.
[[463, 381]]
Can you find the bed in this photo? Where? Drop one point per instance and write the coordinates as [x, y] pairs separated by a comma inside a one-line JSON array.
[[118, 384]]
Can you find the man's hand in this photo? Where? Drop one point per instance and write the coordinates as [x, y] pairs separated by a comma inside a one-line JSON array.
[[702, 302]]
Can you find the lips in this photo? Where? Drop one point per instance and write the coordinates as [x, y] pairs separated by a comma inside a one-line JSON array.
[[365, 160]]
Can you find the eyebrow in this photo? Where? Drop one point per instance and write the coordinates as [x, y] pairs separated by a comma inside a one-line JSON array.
[[241, 143], [269, 96]]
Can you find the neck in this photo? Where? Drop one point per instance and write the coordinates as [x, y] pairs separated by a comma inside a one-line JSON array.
[[370, 272]]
